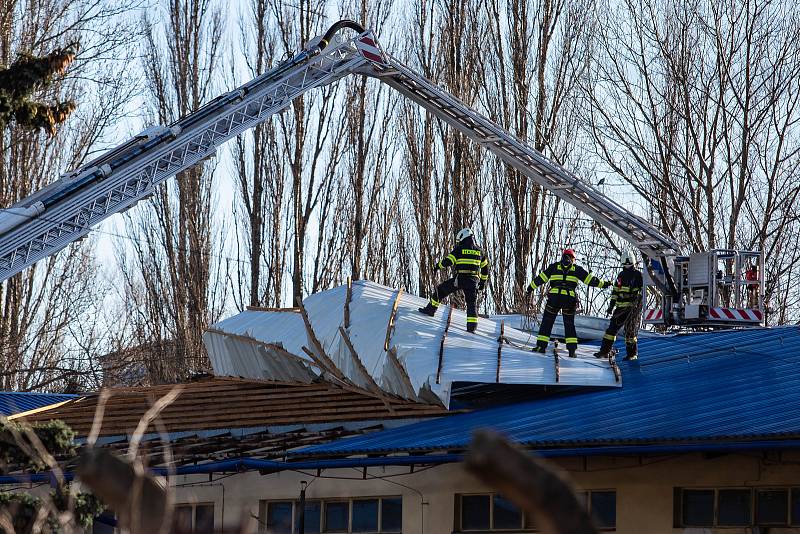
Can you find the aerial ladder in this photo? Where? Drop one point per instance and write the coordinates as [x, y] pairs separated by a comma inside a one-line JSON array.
[[689, 290]]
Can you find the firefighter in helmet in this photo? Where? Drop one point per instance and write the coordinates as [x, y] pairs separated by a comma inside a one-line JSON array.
[[563, 278], [625, 297], [471, 272]]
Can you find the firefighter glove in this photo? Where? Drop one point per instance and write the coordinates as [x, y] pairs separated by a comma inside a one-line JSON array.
[[610, 310], [481, 285]]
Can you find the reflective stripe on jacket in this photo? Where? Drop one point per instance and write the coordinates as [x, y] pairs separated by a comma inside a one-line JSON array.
[[564, 280], [627, 288], [467, 261]]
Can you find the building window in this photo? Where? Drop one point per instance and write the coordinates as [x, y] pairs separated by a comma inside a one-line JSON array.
[[476, 512], [493, 512], [737, 507], [197, 518], [603, 509], [795, 508], [698, 508], [368, 515], [365, 515], [506, 515], [391, 514], [772, 507], [337, 516], [312, 519], [279, 517], [734, 508]]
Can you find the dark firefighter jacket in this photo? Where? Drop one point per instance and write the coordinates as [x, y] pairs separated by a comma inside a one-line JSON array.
[[564, 280], [467, 259], [627, 289]]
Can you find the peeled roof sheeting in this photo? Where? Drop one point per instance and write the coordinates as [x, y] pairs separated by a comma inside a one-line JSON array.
[[739, 384], [416, 339], [16, 402], [239, 346]]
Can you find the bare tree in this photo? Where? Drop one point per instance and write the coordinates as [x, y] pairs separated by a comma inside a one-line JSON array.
[[368, 144], [262, 178], [696, 107], [172, 277], [539, 52], [39, 348], [309, 141], [440, 164]]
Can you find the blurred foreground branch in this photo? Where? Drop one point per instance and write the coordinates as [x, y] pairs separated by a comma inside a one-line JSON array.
[[529, 482]]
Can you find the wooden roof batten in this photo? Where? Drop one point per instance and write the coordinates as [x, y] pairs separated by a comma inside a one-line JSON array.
[[226, 403]]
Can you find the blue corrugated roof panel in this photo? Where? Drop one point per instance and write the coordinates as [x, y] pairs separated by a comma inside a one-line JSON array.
[[12, 402], [734, 385]]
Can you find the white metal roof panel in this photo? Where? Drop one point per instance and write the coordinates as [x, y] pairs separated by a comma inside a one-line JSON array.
[[415, 337]]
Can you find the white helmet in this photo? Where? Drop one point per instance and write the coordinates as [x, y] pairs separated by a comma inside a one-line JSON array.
[[463, 234], [627, 258]]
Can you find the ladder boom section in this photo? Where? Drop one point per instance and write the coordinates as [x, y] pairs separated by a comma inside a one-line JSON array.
[[66, 210], [548, 174]]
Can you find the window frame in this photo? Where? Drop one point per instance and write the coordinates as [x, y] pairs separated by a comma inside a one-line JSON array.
[[793, 521], [586, 495], [790, 521], [263, 513], [194, 506], [378, 514], [717, 518], [324, 515], [787, 502]]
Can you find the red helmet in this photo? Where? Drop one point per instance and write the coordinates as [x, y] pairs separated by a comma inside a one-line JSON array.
[[568, 252]]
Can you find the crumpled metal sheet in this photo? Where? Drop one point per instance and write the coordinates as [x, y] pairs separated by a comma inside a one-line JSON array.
[[238, 346]]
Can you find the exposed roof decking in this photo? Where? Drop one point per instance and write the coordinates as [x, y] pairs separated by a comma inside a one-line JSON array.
[[228, 403]]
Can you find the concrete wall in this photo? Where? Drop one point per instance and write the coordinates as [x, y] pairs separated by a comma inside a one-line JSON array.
[[644, 487]]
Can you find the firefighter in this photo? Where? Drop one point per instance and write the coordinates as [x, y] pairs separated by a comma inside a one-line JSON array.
[[563, 278], [625, 297], [751, 279], [471, 272]]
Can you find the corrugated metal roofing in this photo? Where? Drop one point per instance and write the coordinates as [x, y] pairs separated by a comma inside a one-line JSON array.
[[735, 385], [12, 402], [427, 360], [239, 346]]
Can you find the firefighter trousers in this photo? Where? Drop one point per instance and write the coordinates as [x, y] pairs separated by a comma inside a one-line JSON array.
[[469, 286], [566, 305], [618, 320]]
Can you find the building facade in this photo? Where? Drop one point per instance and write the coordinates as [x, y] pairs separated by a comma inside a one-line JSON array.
[[673, 493]]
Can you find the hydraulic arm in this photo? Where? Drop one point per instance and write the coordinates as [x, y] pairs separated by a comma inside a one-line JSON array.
[[66, 210]]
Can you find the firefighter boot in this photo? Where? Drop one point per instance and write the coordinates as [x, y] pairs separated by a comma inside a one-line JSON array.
[[631, 352], [605, 349], [572, 353], [430, 310]]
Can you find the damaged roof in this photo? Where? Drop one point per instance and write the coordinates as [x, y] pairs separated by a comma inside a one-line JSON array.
[[220, 419], [231, 403], [375, 338], [736, 386]]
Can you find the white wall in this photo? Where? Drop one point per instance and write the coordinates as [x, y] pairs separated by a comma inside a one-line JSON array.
[[644, 487]]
